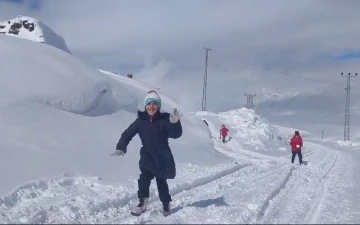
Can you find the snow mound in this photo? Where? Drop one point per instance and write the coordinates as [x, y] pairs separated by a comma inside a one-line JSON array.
[[32, 29], [64, 116], [347, 143], [248, 129]]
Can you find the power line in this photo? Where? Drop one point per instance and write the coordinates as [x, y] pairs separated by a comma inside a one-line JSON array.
[[279, 72], [355, 86], [347, 106]]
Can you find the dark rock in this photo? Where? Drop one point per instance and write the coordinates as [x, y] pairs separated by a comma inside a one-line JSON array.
[[29, 26], [15, 28], [2, 26], [16, 32]]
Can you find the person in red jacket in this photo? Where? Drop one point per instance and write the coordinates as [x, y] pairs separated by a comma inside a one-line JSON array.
[[296, 145], [223, 133]]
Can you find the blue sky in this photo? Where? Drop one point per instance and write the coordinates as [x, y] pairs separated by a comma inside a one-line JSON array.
[[31, 4], [348, 55], [159, 40]]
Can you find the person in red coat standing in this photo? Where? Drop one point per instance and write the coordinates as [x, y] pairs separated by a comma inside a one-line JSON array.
[[296, 145], [223, 133]]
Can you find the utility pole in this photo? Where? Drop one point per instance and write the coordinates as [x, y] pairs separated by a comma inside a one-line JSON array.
[[347, 106], [203, 104], [250, 100]]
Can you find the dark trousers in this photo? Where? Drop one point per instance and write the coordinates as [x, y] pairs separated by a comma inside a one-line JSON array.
[[293, 157], [223, 139], [144, 185]]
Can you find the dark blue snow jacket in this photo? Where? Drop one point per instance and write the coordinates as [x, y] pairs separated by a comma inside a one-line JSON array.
[[155, 154]]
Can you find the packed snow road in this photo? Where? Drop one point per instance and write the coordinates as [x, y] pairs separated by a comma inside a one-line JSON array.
[[256, 189], [270, 191]]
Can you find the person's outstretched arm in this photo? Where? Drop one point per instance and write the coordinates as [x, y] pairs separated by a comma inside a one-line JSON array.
[[127, 136]]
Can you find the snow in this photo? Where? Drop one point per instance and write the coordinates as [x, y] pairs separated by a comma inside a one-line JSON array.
[[290, 131], [32, 29], [65, 116], [248, 128], [347, 143], [61, 119]]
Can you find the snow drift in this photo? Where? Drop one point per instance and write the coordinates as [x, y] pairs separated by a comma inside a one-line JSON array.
[[248, 129], [32, 29], [59, 115]]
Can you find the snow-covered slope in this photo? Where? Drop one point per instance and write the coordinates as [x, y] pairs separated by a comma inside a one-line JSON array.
[[248, 129], [271, 95], [63, 116], [324, 107], [32, 29], [320, 100]]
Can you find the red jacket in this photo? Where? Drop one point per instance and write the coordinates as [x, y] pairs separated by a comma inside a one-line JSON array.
[[224, 131], [296, 140]]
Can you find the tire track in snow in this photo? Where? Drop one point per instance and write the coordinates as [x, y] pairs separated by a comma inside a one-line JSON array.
[[274, 194], [193, 185], [303, 198], [198, 182], [214, 192], [322, 191]]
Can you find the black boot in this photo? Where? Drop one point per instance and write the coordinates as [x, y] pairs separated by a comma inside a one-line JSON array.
[[166, 208]]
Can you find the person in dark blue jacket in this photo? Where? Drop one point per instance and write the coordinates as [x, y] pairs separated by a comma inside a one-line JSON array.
[[156, 159]]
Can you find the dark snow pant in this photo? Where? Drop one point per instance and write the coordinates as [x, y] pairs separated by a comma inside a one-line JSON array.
[[144, 185], [224, 139], [293, 157]]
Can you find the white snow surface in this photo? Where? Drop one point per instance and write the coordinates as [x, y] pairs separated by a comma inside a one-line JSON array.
[[60, 120], [249, 129], [32, 29], [60, 115]]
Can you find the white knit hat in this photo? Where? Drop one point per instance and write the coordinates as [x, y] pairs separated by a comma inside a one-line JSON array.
[[152, 96]]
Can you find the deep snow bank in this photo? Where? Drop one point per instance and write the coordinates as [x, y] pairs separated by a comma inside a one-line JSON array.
[[34, 30], [59, 115], [248, 129]]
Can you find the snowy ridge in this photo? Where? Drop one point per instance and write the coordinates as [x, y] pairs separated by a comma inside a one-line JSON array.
[[98, 101], [289, 131], [32, 29], [248, 129], [269, 94], [317, 106]]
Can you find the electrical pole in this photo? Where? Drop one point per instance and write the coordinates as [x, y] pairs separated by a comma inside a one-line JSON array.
[[250, 100], [203, 104], [347, 106]]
